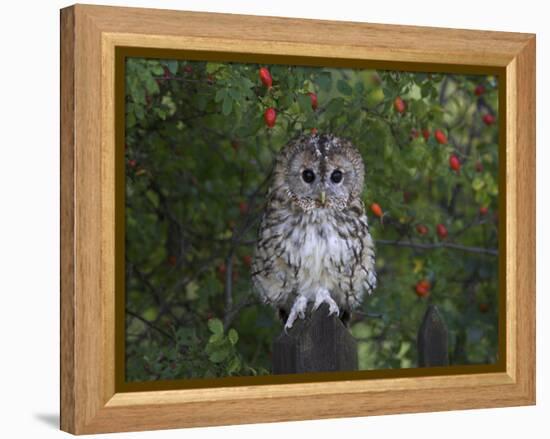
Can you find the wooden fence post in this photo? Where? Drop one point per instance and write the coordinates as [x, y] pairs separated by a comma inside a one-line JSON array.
[[432, 340], [318, 343]]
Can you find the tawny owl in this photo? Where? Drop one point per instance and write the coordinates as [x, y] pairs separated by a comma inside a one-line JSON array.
[[314, 243]]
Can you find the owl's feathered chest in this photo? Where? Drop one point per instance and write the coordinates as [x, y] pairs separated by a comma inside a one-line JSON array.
[[315, 244], [306, 252]]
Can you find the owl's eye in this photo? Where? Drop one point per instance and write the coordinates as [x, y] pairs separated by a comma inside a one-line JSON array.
[[336, 176], [308, 176]]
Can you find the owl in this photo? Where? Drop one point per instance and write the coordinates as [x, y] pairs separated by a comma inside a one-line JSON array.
[[314, 244]]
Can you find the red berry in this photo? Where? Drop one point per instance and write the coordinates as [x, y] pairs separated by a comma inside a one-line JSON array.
[[483, 210], [399, 105], [132, 163], [484, 307], [421, 229], [440, 137], [243, 207], [265, 77], [270, 116], [314, 131], [479, 167], [426, 134], [172, 260], [489, 119], [422, 288], [442, 231], [314, 101], [376, 209], [247, 260], [479, 90], [454, 163]]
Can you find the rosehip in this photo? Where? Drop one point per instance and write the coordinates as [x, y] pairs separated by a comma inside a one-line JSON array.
[[243, 207], [489, 119], [479, 90], [265, 77], [376, 209], [314, 101], [440, 137], [422, 288], [270, 116], [314, 131], [421, 229], [442, 231], [132, 163], [426, 134], [483, 210], [399, 105], [247, 260], [454, 163]]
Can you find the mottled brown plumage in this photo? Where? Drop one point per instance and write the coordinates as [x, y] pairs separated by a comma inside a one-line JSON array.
[[314, 243]]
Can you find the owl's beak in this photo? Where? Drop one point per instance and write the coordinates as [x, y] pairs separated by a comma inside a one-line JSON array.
[[323, 197]]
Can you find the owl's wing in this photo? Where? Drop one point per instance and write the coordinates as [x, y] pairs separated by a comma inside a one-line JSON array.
[[357, 273], [271, 273]]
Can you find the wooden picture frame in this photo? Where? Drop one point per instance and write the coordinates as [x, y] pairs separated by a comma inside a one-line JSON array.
[[91, 401]]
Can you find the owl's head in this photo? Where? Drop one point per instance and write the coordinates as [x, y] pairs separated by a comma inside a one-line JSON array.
[[320, 171]]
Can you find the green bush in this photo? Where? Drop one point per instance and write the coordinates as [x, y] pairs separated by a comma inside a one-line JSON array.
[[198, 157]]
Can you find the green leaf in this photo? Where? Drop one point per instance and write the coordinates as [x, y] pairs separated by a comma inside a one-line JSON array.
[[219, 355], [172, 66], [215, 326], [343, 87], [305, 103], [477, 184], [325, 81], [334, 107], [215, 338], [220, 95], [211, 67], [227, 106], [235, 93], [234, 365], [233, 336]]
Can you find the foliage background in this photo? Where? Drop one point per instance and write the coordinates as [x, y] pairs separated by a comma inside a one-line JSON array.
[[198, 158]]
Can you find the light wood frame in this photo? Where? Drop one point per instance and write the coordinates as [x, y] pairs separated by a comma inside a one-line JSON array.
[[89, 36]]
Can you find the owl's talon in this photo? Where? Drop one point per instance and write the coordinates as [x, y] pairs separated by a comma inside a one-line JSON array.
[[333, 309], [297, 311], [323, 296]]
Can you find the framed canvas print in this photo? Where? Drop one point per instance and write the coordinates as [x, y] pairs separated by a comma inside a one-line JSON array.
[[330, 219]]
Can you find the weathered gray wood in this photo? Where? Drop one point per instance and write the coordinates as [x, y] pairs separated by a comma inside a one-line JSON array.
[[433, 339], [318, 343]]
